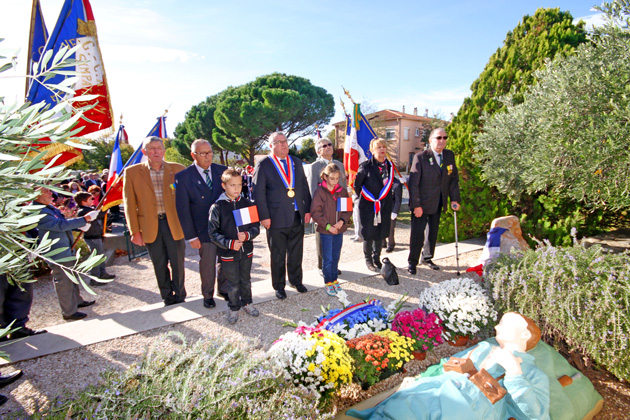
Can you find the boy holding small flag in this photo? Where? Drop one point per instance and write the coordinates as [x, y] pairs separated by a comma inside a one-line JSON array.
[[331, 209], [232, 227]]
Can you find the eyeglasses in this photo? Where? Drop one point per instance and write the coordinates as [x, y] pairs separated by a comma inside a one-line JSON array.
[[441, 137], [203, 154], [280, 142], [323, 146]]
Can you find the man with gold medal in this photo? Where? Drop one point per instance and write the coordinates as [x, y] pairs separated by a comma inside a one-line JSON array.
[[281, 194]]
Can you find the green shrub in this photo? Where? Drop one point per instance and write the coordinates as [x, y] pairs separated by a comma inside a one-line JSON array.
[[209, 380], [576, 294]]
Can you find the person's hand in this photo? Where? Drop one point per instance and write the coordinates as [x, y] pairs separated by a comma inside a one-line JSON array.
[[394, 216], [92, 215], [136, 238], [307, 218], [237, 245], [455, 205], [338, 225], [86, 227], [417, 212], [195, 243], [266, 223], [333, 230], [242, 236]]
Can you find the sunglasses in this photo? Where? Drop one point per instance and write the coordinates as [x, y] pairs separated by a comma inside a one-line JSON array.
[[441, 137], [323, 146]]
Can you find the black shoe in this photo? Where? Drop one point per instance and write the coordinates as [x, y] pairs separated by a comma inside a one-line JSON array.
[[24, 332], [411, 269], [75, 316], [431, 265], [338, 272], [209, 303], [281, 294], [224, 296], [108, 276], [388, 250], [10, 378], [300, 288], [169, 302], [95, 283], [378, 263], [371, 266], [86, 303], [3, 399]]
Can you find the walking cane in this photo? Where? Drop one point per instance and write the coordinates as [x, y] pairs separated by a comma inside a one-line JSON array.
[[456, 241]]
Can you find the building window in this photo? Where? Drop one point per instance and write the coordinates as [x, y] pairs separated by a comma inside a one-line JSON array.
[[417, 132], [406, 134], [390, 134]]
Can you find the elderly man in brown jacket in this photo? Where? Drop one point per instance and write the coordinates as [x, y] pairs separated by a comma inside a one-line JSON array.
[[149, 197]]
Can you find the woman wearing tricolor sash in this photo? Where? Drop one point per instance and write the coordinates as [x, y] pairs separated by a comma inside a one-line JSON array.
[[373, 184]]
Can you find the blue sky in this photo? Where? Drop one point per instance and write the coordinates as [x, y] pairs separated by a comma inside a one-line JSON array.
[[161, 54]]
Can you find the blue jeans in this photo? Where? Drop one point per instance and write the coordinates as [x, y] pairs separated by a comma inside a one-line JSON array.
[[331, 250]]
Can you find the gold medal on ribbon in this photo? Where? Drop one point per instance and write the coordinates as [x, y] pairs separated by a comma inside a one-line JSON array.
[[291, 193]]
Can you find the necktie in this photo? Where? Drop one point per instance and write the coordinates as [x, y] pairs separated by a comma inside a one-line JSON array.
[[286, 167], [440, 161], [208, 180]]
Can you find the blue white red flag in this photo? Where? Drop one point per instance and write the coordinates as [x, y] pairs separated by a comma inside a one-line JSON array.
[[159, 129], [37, 41], [344, 204], [76, 27], [357, 147], [246, 215], [114, 186], [493, 244]]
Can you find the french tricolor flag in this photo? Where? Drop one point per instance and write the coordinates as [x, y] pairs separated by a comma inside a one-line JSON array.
[[344, 204], [246, 215]]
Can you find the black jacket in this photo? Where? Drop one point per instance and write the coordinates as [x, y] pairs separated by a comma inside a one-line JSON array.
[[224, 232], [96, 226], [369, 176]]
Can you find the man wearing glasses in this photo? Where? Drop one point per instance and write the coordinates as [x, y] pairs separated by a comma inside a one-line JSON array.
[[197, 188], [281, 194], [433, 179], [324, 149]]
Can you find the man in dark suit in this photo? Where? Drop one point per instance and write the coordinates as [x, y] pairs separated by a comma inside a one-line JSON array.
[[282, 196], [149, 197], [198, 187], [432, 180]]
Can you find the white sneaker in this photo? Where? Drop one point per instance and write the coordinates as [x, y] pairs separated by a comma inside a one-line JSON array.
[[251, 310], [232, 317]]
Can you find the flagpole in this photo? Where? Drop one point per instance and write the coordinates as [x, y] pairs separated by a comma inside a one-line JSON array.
[[30, 46]]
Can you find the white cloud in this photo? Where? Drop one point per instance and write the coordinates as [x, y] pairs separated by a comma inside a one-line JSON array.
[[596, 19]]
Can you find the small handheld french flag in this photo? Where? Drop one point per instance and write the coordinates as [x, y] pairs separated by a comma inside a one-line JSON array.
[[246, 215], [344, 204]]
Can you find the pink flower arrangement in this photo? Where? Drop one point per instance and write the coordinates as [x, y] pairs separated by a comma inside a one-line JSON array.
[[425, 328]]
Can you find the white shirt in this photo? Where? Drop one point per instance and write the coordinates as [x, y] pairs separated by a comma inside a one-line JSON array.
[[203, 175]]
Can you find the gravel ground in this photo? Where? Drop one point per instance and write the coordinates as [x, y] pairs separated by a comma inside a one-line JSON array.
[[135, 286]]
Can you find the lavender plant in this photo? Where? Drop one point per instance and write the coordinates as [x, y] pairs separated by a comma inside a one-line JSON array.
[[576, 294]]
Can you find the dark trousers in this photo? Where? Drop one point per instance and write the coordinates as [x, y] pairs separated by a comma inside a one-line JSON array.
[[372, 250], [331, 251], [208, 270], [15, 304], [286, 246], [390, 242], [237, 275], [97, 244], [67, 291], [417, 237], [163, 250]]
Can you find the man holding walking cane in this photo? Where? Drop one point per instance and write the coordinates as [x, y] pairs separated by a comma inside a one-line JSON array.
[[432, 181]]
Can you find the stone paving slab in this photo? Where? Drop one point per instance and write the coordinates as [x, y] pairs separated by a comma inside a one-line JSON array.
[[107, 327]]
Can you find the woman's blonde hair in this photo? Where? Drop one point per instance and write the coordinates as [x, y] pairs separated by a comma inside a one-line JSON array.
[[329, 170], [376, 142]]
